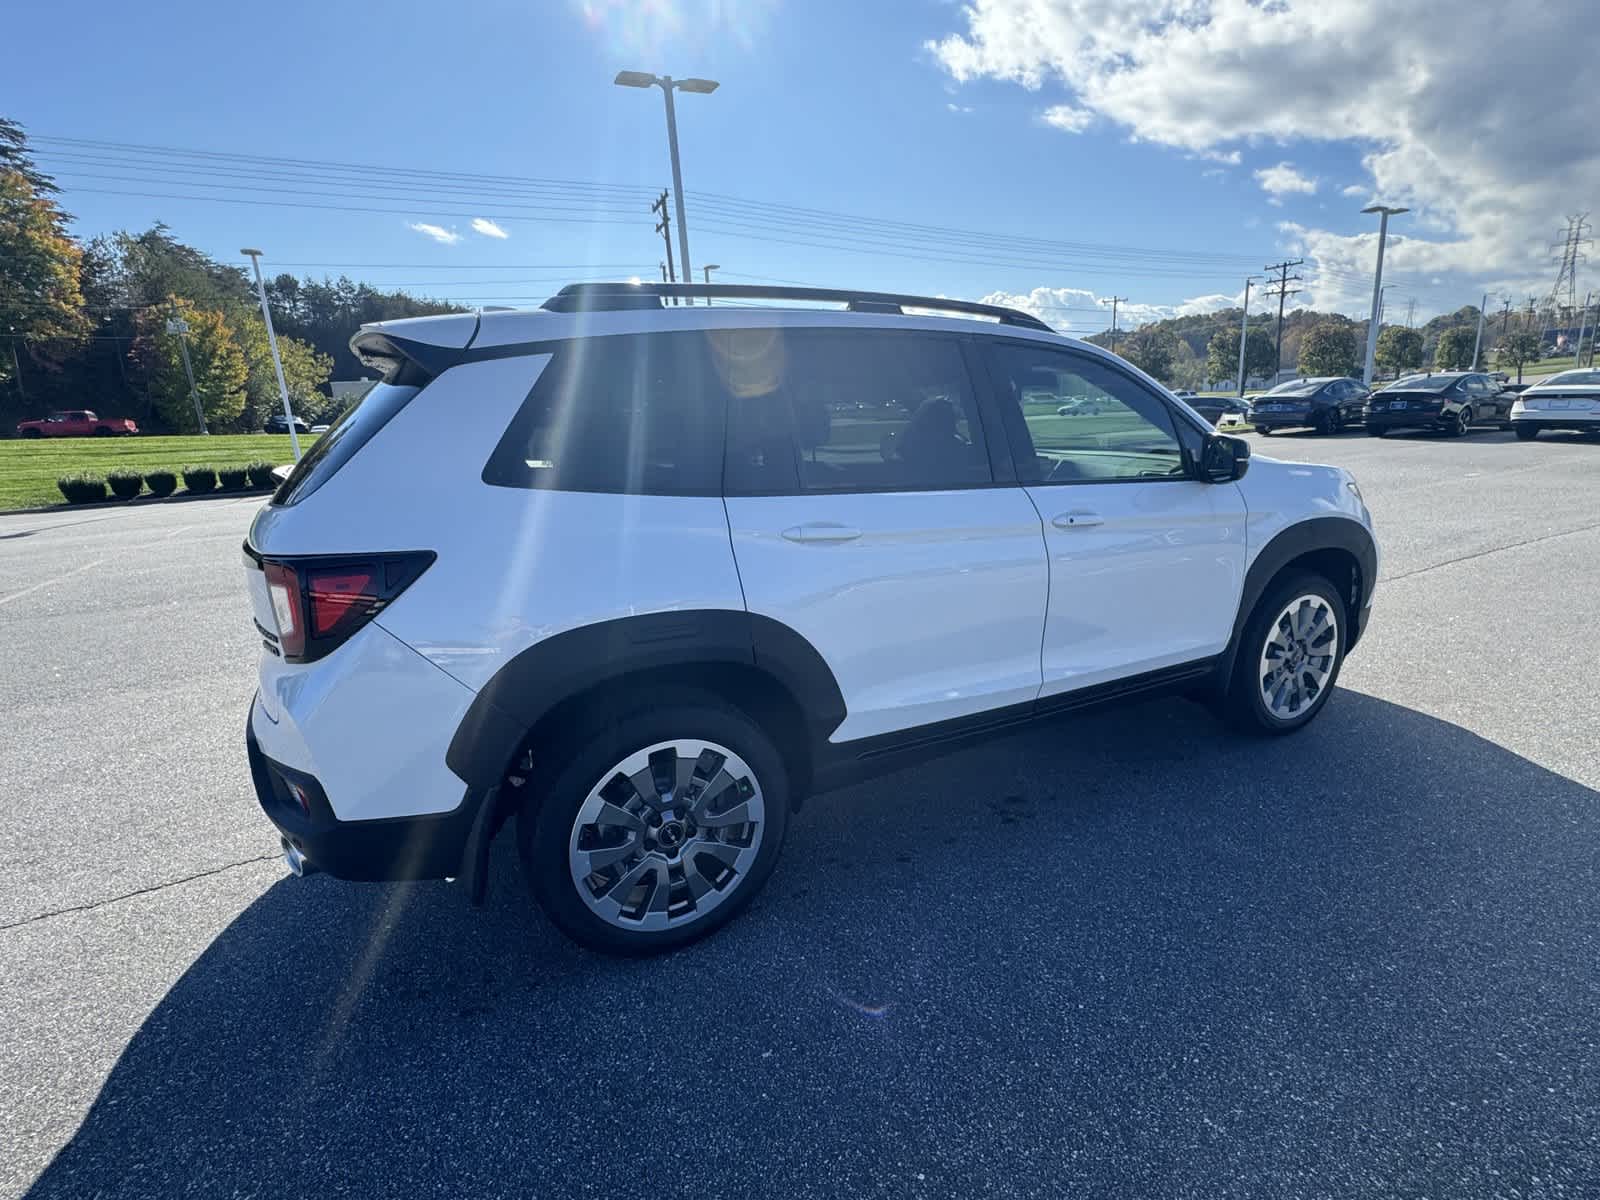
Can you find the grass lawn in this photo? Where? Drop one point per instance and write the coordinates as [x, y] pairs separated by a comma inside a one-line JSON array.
[[29, 468]]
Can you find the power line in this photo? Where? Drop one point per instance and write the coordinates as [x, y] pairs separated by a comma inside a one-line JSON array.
[[1282, 291]]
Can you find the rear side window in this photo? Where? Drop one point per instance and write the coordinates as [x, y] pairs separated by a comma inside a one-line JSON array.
[[632, 414], [353, 430], [825, 411]]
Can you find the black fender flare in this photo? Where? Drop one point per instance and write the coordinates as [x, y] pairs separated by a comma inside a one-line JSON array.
[[1296, 541], [557, 668]]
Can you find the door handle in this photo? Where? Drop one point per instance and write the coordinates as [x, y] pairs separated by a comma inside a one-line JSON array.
[[821, 531], [1077, 519]]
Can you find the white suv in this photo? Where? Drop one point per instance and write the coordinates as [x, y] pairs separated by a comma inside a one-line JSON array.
[[641, 577]]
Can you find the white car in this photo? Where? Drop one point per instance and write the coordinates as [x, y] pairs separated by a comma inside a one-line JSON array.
[[631, 580], [1569, 400]]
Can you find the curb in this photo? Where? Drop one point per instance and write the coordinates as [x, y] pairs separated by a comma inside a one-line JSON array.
[[140, 501]]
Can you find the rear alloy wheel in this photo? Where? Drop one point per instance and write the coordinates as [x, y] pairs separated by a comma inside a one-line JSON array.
[[1323, 424], [1263, 431], [1525, 431], [1289, 656], [659, 831], [1460, 423]]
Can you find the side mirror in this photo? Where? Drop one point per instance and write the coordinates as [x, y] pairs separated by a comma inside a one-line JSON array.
[[1224, 459]]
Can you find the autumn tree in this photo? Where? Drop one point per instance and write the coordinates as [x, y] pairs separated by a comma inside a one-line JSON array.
[[1453, 351], [41, 303], [1222, 354], [220, 371], [1517, 350], [1328, 349], [304, 371], [1399, 349], [1151, 349]]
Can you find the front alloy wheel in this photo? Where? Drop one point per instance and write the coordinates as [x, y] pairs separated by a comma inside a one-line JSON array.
[[1298, 658]]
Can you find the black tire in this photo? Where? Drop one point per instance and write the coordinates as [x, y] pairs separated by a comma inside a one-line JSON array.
[[32, 433], [1459, 424], [102, 432], [544, 829], [1263, 431], [1375, 431], [1244, 706], [1524, 431], [1322, 424]]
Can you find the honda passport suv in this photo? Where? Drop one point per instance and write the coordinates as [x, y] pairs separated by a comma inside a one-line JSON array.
[[628, 581]]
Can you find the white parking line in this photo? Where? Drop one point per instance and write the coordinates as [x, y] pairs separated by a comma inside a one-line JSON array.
[[48, 582]]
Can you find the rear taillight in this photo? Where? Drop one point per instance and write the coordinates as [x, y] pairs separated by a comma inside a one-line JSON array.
[[320, 602]]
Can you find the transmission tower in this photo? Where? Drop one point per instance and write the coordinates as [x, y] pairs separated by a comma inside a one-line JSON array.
[[1563, 299]]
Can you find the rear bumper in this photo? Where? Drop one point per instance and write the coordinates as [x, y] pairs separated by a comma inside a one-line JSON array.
[[1299, 420], [1403, 420], [432, 846], [1556, 420]]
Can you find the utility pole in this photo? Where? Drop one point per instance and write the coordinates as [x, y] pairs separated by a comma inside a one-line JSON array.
[[1411, 313], [1115, 300], [1244, 330], [1477, 342], [1505, 319], [664, 228], [177, 325], [16, 365], [708, 268], [1282, 291]]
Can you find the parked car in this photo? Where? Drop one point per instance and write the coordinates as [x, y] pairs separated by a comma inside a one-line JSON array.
[[1448, 401], [323, 427], [1569, 400], [278, 423], [1214, 408], [1325, 403], [77, 422], [659, 581], [1078, 408]]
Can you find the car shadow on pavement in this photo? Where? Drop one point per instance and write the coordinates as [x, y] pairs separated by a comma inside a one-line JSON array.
[[1130, 954]]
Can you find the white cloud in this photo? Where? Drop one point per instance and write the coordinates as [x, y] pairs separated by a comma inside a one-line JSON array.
[[1067, 118], [438, 233], [958, 108], [1283, 180], [1082, 311], [488, 228], [1488, 174], [1355, 190]]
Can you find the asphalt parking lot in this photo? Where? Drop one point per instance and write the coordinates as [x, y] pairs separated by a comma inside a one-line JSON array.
[[1130, 954]]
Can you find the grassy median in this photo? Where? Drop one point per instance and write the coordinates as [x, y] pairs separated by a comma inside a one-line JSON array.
[[29, 468]]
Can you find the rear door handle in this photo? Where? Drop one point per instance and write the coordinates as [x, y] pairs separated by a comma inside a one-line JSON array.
[[1077, 519], [821, 531]]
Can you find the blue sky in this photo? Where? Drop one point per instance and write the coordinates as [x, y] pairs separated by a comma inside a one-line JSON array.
[[921, 112]]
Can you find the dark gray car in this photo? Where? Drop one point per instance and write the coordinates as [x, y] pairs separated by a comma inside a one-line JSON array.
[[1327, 404]]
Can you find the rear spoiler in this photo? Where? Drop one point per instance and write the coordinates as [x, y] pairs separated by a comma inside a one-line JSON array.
[[409, 362]]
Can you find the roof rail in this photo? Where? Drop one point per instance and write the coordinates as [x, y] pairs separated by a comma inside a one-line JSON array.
[[606, 297]]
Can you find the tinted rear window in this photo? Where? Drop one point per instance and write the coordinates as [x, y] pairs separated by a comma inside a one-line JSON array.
[[347, 435], [629, 413]]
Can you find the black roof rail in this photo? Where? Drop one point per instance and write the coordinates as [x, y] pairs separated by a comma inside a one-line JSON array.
[[608, 297]]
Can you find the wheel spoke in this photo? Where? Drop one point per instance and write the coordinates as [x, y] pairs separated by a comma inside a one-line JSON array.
[[725, 854], [661, 897], [610, 856], [739, 814], [612, 815], [617, 893]]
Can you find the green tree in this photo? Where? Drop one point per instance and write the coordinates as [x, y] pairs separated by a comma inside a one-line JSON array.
[[1151, 349], [220, 371], [1222, 354], [304, 371], [1453, 352], [1399, 349], [41, 301], [1328, 349], [1517, 350]]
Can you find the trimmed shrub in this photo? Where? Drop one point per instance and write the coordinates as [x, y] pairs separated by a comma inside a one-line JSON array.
[[233, 479], [82, 489], [161, 483], [125, 485], [199, 479], [261, 474]]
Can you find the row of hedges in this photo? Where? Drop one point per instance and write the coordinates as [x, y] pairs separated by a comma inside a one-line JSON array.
[[125, 485]]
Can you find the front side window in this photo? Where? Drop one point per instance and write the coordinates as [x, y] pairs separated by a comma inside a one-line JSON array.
[[847, 411], [1074, 419], [628, 413]]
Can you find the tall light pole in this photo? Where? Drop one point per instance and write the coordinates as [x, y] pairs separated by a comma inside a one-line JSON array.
[[667, 84], [708, 268], [1385, 212], [178, 326], [1477, 342], [1244, 330], [272, 341]]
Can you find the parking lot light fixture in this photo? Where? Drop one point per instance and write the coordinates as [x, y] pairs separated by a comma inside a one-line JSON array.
[[1385, 212], [667, 84], [272, 341]]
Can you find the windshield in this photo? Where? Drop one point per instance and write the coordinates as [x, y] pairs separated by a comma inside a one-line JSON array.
[[1585, 378], [1295, 387]]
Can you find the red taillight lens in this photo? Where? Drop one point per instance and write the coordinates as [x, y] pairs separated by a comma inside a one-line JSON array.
[[319, 603], [340, 598], [283, 585]]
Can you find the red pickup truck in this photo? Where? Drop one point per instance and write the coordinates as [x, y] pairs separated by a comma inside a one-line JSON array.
[[78, 422]]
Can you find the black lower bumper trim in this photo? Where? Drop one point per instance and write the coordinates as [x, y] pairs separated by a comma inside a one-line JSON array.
[[391, 848]]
